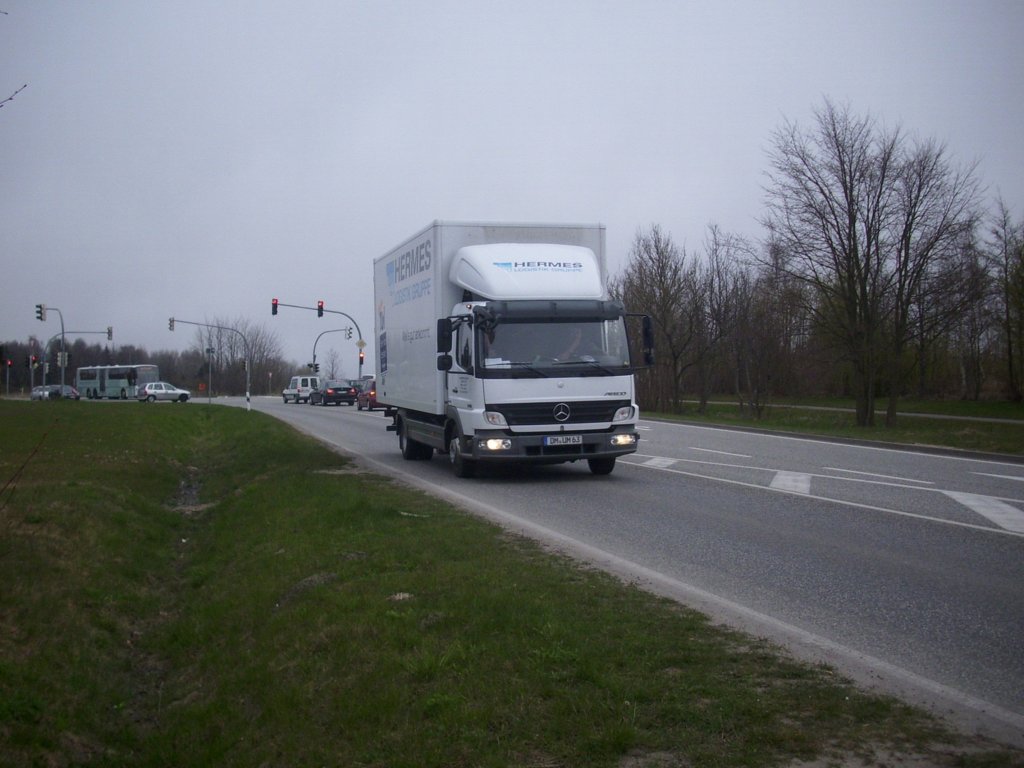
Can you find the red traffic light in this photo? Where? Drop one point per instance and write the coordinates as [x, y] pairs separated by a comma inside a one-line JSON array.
[[320, 308], [273, 306]]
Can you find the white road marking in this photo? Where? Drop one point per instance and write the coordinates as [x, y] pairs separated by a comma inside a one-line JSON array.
[[659, 462], [907, 451], [844, 502], [1000, 513], [722, 453], [873, 474], [1001, 477], [794, 482]]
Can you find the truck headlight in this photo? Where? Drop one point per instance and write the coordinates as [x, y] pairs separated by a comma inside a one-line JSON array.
[[495, 419], [624, 439], [625, 413]]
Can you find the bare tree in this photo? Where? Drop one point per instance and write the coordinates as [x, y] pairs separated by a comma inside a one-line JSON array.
[[872, 227], [333, 364], [660, 279], [934, 210], [715, 304], [769, 328], [828, 207], [225, 337], [1006, 260]]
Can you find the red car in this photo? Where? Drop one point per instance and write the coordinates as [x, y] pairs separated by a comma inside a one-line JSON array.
[[367, 397]]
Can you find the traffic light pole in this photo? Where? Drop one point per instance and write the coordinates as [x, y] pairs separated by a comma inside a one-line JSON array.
[[41, 310], [319, 309], [335, 330], [245, 341]]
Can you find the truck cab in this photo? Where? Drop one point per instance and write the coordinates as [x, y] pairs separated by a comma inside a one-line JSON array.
[[537, 382]]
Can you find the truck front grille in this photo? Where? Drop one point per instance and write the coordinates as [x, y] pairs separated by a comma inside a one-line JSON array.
[[580, 412]]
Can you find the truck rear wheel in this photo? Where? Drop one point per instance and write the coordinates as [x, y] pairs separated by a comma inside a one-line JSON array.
[[462, 466], [602, 466], [412, 450]]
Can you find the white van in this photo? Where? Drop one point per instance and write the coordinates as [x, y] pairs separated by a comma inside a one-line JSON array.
[[300, 387]]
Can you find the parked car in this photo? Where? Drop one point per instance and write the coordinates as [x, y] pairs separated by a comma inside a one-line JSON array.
[[367, 397], [38, 393], [161, 390], [300, 388], [333, 392]]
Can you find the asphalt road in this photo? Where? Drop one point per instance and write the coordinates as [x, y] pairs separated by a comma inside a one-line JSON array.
[[903, 569]]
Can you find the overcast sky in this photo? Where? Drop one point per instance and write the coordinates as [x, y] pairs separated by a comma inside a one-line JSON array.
[[197, 159]]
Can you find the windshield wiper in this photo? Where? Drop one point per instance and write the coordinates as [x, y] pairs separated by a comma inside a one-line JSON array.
[[591, 362], [528, 366]]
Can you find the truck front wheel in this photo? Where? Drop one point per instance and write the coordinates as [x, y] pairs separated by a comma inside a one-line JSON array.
[[462, 466], [602, 466]]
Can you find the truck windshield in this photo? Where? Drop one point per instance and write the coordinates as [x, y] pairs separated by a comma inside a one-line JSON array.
[[573, 348]]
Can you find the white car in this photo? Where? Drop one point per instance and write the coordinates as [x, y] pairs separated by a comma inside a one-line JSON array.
[[300, 388], [161, 390]]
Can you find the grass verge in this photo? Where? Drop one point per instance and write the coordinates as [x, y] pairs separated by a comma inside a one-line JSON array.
[[186, 585]]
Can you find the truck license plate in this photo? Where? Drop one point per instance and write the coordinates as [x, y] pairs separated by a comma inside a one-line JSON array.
[[564, 440]]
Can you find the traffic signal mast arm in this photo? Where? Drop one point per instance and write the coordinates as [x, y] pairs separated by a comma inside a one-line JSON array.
[[319, 309]]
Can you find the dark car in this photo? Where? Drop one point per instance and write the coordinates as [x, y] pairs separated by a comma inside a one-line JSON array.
[[65, 391], [367, 397], [333, 392]]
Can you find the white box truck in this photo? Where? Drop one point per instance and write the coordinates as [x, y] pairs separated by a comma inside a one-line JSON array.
[[498, 343]]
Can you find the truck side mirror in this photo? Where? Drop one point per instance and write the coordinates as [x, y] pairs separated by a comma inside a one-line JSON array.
[[648, 336], [444, 363], [444, 339]]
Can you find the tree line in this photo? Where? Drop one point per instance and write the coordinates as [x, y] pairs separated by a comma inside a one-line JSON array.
[[215, 359], [881, 275]]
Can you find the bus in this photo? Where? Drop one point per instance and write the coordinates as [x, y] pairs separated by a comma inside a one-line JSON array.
[[114, 382]]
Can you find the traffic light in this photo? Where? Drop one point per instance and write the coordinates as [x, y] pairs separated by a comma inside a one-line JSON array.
[[348, 333], [10, 362], [28, 361], [170, 323], [320, 308], [273, 306], [40, 311], [35, 360], [362, 357], [110, 333], [316, 367]]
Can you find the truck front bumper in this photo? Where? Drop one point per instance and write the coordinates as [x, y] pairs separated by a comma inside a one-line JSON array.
[[550, 447]]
